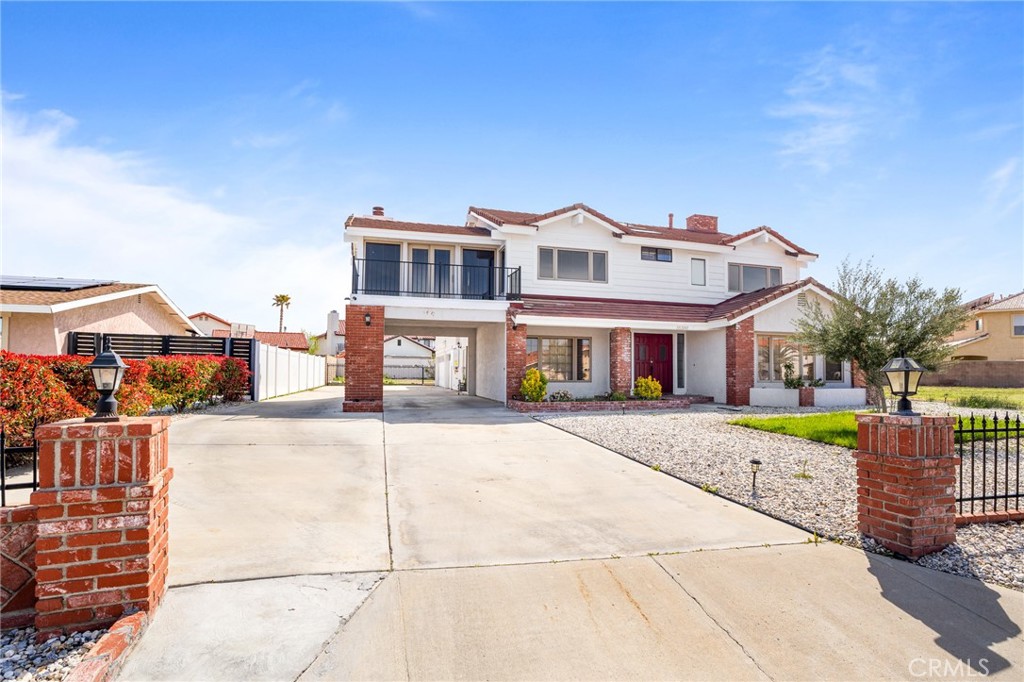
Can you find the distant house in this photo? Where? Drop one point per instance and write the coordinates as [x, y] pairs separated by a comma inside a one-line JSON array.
[[290, 340], [332, 341], [406, 357], [994, 332], [37, 313], [208, 322]]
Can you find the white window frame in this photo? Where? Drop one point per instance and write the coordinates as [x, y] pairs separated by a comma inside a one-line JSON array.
[[1017, 325], [703, 272], [798, 367], [768, 276], [574, 345], [590, 265]]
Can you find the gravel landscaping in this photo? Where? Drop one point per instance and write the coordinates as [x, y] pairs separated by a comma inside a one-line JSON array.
[[811, 485], [22, 660]]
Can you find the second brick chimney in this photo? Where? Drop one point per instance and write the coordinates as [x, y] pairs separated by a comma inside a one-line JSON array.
[[378, 211], [702, 223]]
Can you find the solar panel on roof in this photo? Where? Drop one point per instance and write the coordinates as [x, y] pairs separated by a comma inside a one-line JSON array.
[[15, 282]]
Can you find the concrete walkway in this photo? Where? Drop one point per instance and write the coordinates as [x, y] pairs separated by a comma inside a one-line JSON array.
[[453, 539]]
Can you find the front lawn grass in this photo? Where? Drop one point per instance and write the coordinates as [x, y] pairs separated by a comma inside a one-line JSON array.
[[835, 428], [968, 396]]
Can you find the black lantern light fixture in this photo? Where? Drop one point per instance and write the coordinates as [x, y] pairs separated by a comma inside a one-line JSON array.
[[107, 371], [903, 375], [755, 466], [367, 319]]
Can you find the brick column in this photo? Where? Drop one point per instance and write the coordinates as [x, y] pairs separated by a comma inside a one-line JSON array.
[[102, 505], [739, 362], [364, 359], [620, 359], [906, 473], [515, 353]]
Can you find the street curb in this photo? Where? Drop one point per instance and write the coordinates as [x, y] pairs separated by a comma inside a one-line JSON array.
[[105, 660]]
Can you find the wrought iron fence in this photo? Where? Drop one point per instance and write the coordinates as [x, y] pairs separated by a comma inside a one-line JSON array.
[[6, 451], [990, 475]]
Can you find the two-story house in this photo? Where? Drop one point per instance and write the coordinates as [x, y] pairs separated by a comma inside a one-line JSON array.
[[592, 301]]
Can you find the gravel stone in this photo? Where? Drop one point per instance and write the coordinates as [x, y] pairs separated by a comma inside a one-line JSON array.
[[808, 484], [25, 661]]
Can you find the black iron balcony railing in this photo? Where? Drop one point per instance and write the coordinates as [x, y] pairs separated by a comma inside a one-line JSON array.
[[435, 280]]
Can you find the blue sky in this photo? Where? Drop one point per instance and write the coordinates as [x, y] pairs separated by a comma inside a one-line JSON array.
[[218, 148]]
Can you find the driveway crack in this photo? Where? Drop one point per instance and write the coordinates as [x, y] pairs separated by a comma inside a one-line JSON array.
[[713, 619]]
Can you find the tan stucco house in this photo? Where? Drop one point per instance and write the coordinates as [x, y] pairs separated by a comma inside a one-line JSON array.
[[996, 331], [36, 313]]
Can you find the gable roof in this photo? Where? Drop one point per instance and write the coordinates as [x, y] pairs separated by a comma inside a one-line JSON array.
[[388, 224], [50, 301], [210, 316], [660, 311], [340, 331]]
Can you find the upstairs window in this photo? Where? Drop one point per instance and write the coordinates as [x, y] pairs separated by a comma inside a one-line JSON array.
[[652, 253], [977, 324], [746, 278], [1018, 325], [698, 272], [573, 264]]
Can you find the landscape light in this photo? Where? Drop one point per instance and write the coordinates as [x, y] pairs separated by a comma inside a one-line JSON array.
[[755, 466], [903, 375]]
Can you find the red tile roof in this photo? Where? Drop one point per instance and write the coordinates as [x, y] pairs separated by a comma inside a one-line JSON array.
[[387, 224], [289, 340], [659, 311], [765, 228]]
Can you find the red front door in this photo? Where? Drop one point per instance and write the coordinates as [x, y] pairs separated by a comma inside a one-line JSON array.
[[652, 357]]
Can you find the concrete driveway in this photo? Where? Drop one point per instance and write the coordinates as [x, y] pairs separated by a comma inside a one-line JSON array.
[[452, 539]]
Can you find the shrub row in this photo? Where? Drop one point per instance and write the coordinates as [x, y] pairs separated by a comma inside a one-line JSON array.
[[48, 388]]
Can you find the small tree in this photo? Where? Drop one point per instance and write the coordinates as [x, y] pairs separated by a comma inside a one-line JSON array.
[[874, 319], [313, 342]]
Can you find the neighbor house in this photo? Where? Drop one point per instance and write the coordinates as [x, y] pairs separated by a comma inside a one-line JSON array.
[[289, 340], [332, 341], [592, 301], [37, 313], [208, 323], [994, 332]]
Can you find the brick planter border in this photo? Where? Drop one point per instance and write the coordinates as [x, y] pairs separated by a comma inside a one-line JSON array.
[[621, 406], [105, 660]]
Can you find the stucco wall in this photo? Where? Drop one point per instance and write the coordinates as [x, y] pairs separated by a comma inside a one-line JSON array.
[[490, 361], [1001, 344], [46, 334], [705, 371]]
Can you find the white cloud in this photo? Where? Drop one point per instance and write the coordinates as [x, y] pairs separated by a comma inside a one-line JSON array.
[[1002, 188], [832, 103], [263, 140], [77, 211]]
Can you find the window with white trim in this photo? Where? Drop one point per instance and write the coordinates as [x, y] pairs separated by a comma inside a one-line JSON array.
[[698, 272], [774, 353], [1018, 325], [559, 358], [652, 253], [572, 264], [746, 278]]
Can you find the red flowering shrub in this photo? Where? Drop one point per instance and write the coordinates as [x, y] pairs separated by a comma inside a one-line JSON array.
[[181, 380], [231, 381], [133, 398], [30, 392]]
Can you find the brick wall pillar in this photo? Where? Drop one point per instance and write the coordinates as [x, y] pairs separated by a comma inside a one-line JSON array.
[[739, 362], [364, 359], [906, 473], [515, 352], [102, 505], [620, 359], [17, 566]]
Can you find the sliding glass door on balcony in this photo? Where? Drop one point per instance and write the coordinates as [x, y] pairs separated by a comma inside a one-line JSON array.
[[383, 271], [477, 274]]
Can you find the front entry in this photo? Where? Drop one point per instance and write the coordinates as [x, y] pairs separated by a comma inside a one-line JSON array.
[[652, 357]]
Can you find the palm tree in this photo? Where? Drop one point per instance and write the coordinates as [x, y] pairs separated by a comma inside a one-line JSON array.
[[282, 301]]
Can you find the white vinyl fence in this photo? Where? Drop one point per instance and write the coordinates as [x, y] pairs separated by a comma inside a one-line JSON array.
[[284, 371]]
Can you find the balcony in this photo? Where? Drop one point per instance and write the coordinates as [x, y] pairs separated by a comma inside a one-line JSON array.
[[435, 280]]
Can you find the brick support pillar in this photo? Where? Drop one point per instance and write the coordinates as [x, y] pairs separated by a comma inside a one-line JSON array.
[[515, 352], [102, 505], [620, 359], [364, 359], [906, 473], [739, 362]]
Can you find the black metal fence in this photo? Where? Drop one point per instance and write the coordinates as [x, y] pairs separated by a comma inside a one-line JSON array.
[[142, 346], [32, 451], [990, 476], [435, 280]]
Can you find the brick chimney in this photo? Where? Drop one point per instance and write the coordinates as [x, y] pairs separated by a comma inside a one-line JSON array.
[[671, 217], [702, 223], [378, 211]]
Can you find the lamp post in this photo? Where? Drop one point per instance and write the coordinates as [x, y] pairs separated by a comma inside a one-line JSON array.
[[903, 375], [107, 371], [755, 466]]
